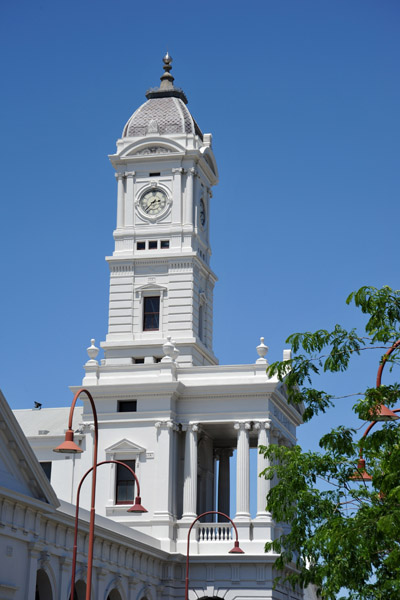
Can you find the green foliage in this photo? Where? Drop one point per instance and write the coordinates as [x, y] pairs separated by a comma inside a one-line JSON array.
[[345, 534]]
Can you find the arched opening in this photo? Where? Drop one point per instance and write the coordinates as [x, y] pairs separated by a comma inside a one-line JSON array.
[[80, 590], [114, 595], [43, 586]]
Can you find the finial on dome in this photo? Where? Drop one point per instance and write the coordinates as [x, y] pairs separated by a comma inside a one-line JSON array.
[[167, 81], [167, 88]]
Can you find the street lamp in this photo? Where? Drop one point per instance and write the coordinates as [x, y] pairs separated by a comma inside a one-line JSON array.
[[69, 446], [136, 507], [235, 550], [385, 414]]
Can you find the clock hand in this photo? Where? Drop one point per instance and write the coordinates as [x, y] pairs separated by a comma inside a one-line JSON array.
[[150, 204]]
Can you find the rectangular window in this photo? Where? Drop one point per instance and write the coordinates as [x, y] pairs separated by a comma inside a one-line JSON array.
[[140, 245], [127, 406], [164, 244], [138, 361], [151, 313], [153, 245], [46, 466], [154, 174], [125, 483]]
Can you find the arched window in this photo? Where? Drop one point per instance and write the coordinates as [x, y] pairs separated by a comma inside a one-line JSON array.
[[80, 590], [114, 595], [43, 586]]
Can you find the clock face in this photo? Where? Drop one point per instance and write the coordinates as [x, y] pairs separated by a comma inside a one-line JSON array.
[[153, 202], [202, 214]]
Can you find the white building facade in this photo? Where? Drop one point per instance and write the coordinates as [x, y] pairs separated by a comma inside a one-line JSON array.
[[164, 404]]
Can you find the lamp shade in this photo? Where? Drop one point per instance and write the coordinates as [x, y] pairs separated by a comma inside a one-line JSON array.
[[236, 549], [360, 474], [137, 507], [68, 446], [384, 414]]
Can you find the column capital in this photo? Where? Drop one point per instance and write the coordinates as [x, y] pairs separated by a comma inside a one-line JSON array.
[[191, 427], [262, 424], [166, 425], [65, 562], [192, 171], [130, 174], [101, 572], [178, 170], [277, 434], [44, 559], [240, 426], [223, 452], [34, 549], [119, 176]]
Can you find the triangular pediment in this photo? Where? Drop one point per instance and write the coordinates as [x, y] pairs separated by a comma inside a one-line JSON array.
[[150, 287], [125, 446], [20, 471]]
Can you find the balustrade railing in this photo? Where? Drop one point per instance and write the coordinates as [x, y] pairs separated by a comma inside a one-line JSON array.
[[214, 532]]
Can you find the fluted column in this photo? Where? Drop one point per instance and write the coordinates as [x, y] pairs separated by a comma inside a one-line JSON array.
[[243, 472], [224, 481], [120, 200], [263, 485], [190, 473], [129, 199]]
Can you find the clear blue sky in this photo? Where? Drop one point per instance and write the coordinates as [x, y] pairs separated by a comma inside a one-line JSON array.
[[302, 98]]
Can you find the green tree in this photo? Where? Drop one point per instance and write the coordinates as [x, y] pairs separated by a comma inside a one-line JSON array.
[[345, 535]]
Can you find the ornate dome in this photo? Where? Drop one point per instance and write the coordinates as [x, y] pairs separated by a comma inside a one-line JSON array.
[[164, 112]]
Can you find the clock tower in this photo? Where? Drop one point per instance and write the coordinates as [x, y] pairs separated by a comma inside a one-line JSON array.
[[161, 283]]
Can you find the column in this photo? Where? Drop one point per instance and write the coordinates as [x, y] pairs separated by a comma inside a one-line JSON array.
[[190, 473], [276, 438], [164, 469], [263, 485], [208, 198], [224, 482], [64, 585], [243, 472], [120, 200], [129, 199], [189, 197], [33, 556], [177, 205]]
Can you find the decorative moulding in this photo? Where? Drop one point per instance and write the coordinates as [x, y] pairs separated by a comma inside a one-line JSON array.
[[125, 446]]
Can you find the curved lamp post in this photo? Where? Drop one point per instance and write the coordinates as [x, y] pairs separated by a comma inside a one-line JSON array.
[[69, 446], [136, 507], [385, 414], [235, 550]]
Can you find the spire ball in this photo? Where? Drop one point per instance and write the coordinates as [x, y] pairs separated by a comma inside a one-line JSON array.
[[167, 59]]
